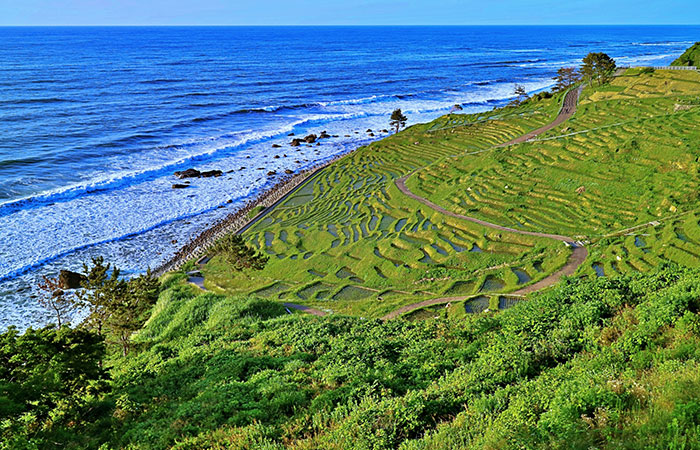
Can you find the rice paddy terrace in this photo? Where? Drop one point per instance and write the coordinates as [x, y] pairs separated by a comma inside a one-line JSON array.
[[350, 242], [629, 157]]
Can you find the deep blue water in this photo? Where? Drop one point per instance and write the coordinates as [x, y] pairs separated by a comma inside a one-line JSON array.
[[93, 121]]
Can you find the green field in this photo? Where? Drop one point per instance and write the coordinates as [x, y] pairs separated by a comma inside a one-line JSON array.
[[631, 146], [348, 241]]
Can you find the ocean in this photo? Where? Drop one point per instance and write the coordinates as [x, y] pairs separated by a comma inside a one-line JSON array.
[[95, 120]]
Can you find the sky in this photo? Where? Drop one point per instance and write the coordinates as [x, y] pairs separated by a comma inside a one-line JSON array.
[[348, 12]]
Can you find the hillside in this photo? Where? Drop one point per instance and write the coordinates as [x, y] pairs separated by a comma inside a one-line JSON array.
[[350, 242], [690, 57], [432, 262]]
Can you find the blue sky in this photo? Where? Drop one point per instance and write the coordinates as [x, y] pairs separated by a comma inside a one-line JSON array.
[[347, 12]]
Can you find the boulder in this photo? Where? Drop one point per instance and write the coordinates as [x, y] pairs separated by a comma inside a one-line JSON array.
[[70, 280], [288, 171], [311, 138], [271, 173], [189, 173], [371, 135], [212, 173], [276, 146], [324, 135], [277, 156], [180, 186], [385, 131], [290, 134], [296, 142]]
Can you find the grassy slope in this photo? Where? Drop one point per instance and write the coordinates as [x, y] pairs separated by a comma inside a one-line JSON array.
[[634, 151], [691, 57], [350, 242], [601, 363]]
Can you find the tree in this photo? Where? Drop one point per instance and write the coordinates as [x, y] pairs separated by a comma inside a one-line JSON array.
[[566, 77], [398, 119], [129, 312], [117, 308], [51, 388], [55, 300], [520, 93], [234, 251], [100, 291], [598, 67]]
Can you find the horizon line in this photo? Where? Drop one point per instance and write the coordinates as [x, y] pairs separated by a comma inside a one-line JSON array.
[[347, 25]]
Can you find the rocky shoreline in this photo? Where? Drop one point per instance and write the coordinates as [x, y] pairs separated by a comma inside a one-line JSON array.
[[237, 220]]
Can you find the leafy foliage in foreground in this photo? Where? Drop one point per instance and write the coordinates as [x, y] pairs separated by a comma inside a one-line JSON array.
[[604, 363], [51, 388]]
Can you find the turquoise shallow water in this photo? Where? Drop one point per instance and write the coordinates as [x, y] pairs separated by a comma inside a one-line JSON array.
[[94, 121]]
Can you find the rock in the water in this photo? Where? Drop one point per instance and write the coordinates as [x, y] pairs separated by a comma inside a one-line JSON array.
[[324, 135], [369, 130], [371, 135], [277, 156], [276, 146], [212, 173], [180, 186], [189, 173], [296, 142], [311, 138], [271, 173], [290, 134], [70, 280], [385, 131], [289, 171]]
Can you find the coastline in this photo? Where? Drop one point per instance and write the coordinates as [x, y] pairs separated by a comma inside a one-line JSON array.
[[238, 221]]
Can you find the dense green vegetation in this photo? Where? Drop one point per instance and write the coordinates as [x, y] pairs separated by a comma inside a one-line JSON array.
[[691, 57], [604, 363]]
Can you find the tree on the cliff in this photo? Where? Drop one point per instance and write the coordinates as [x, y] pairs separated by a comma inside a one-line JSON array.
[[100, 291], [398, 119], [566, 77], [55, 300], [598, 67], [117, 307], [233, 249], [130, 311]]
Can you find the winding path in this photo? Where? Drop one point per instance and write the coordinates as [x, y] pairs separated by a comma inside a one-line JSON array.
[[578, 255]]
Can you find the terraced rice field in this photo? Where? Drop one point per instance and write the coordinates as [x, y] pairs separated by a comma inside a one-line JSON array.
[[349, 241], [628, 156]]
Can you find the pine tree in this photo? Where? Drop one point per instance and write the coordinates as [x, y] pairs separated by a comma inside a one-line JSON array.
[[55, 300], [598, 67], [566, 77], [234, 250], [398, 120]]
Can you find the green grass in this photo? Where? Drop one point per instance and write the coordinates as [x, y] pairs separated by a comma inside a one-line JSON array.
[[348, 241], [632, 146], [599, 363], [691, 57]]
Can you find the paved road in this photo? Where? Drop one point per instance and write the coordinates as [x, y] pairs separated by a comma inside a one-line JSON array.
[[577, 257]]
